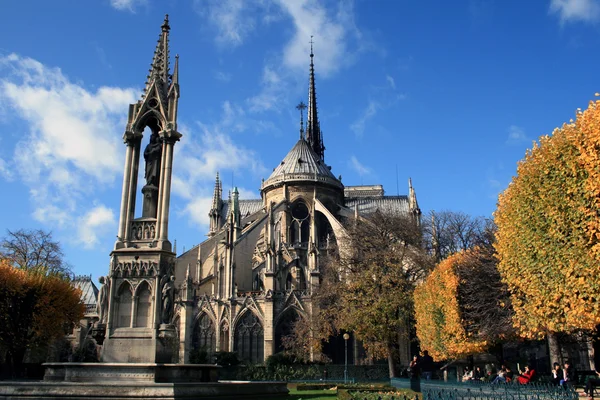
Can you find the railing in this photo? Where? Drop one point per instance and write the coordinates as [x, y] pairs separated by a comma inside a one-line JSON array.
[[301, 177], [477, 390]]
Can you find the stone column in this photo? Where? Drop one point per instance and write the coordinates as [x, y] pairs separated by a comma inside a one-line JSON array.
[[131, 193], [161, 190], [166, 192], [111, 300], [268, 329], [124, 196]]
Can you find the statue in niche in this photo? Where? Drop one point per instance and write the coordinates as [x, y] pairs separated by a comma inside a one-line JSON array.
[[152, 155], [168, 298], [103, 294]]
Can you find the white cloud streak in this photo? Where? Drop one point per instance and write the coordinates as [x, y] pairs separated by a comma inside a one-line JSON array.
[[95, 223], [71, 143], [516, 135], [128, 5], [576, 10], [358, 127], [360, 169]]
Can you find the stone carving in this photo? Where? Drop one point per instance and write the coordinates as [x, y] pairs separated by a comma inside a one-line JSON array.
[[168, 298], [103, 295], [143, 230], [135, 269], [152, 155]]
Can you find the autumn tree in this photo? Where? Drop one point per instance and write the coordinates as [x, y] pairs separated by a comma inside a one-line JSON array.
[[33, 250], [448, 232], [463, 308], [367, 283], [35, 309], [548, 237]]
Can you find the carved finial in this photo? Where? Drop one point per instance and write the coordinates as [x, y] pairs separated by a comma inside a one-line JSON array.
[[165, 26], [301, 107]]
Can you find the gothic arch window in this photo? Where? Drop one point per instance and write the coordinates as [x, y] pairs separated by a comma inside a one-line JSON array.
[[300, 224], [123, 308], [144, 305], [249, 338], [324, 230], [204, 337], [285, 327], [289, 281]]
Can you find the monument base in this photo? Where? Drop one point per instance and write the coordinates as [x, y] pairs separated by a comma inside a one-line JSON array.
[[113, 381]]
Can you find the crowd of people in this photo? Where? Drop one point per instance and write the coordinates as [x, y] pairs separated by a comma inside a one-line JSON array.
[[423, 367]]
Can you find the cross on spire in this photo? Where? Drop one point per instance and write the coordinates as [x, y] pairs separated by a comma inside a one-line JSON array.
[[301, 107]]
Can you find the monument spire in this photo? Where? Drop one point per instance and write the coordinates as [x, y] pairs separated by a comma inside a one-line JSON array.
[[159, 69], [313, 129]]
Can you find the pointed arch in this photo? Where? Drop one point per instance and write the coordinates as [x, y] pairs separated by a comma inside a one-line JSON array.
[[124, 304], [204, 335], [284, 325], [143, 309], [249, 337]]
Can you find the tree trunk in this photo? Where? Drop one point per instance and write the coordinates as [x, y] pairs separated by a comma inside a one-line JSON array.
[[554, 348], [391, 363]]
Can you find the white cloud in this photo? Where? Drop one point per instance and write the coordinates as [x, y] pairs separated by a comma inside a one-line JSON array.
[[576, 10], [96, 222], [516, 135], [71, 144], [229, 17], [360, 169], [127, 5], [223, 76], [358, 127], [391, 81], [203, 152]]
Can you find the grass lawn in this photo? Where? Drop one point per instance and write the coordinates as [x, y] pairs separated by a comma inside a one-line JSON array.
[[326, 394]]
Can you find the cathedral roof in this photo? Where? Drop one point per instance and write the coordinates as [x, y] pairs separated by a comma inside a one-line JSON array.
[[370, 204], [89, 292], [302, 164], [247, 207]]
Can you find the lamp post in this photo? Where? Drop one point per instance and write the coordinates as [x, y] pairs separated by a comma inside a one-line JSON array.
[[346, 337]]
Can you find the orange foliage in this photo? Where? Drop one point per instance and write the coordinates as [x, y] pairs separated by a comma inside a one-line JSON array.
[[34, 308], [440, 327], [548, 238]]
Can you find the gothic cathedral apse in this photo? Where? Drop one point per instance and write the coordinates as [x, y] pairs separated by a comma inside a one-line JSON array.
[[241, 289]]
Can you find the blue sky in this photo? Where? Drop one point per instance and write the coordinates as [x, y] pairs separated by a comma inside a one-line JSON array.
[[449, 93]]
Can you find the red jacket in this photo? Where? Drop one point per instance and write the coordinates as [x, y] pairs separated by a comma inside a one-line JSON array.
[[526, 377]]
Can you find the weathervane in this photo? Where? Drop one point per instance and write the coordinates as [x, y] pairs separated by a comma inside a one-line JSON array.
[[301, 107]]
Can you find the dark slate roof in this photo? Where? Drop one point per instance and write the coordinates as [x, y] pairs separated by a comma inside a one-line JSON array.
[[368, 205], [302, 164], [247, 207]]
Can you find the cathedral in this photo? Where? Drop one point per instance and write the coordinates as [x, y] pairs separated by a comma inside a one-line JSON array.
[[241, 289]]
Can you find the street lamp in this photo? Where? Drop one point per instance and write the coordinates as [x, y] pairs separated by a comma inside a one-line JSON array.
[[346, 337]]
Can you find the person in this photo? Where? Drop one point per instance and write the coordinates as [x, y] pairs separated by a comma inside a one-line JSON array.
[[468, 374], [413, 367], [478, 374], [102, 305], [152, 155], [426, 365], [526, 376], [556, 374], [508, 375], [501, 377], [168, 294], [569, 374], [591, 385]]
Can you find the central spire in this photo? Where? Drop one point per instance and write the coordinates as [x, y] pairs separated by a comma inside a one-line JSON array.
[[313, 130]]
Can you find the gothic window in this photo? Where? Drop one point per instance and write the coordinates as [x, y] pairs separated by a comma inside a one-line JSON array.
[[285, 327], [221, 281], [301, 280], [123, 308], [204, 336], [277, 234], [288, 282], [249, 338], [144, 306], [300, 225], [224, 337]]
